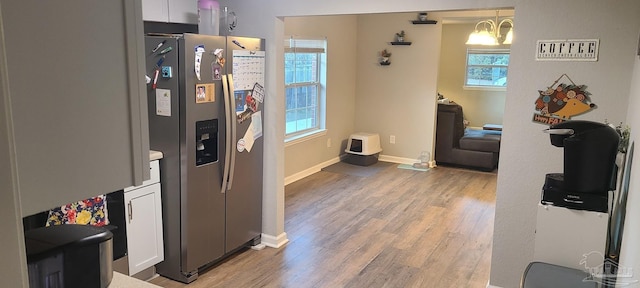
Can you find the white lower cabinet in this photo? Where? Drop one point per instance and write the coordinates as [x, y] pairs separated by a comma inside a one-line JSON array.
[[143, 216], [571, 238]]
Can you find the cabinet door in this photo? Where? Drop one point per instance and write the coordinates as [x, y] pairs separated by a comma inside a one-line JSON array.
[[155, 10], [183, 11], [145, 244], [78, 99], [566, 236]]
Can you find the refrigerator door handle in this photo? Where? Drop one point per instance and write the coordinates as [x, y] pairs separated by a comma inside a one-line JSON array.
[[228, 119], [233, 130]]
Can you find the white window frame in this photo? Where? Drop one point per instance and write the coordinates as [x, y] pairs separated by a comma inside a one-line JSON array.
[[309, 45], [467, 66]]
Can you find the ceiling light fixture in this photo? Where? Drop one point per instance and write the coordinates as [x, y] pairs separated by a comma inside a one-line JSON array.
[[490, 35]]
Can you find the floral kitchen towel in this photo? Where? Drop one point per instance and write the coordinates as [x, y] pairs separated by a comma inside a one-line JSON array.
[[92, 211]]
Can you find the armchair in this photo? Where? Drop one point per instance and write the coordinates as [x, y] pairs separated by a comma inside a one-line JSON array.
[[464, 147]]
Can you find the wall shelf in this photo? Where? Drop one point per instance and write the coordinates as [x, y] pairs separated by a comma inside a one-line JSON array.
[[424, 22], [401, 43], [385, 63]]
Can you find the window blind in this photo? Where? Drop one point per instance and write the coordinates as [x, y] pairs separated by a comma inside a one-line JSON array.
[[293, 44]]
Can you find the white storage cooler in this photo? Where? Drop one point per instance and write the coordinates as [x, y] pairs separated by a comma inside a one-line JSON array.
[[363, 149]]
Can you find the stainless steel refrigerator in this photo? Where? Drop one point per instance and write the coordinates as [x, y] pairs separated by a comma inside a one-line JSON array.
[[205, 115]]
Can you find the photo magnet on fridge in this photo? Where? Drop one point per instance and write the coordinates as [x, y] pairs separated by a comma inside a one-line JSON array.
[[205, 93], [239, 95], [215, 71]]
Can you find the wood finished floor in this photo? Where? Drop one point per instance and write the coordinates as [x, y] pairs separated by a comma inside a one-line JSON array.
[[399, 228]]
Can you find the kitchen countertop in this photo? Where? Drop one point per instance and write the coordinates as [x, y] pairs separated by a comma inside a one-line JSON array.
[[120, 280], [155, 155]]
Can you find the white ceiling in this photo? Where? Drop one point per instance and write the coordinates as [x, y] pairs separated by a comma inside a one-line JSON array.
[[473, 16]]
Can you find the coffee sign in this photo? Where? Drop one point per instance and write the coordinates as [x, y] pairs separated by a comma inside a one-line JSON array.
[[567, 50]]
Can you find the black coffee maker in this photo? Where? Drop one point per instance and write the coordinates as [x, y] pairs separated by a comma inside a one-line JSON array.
[[590, 150]]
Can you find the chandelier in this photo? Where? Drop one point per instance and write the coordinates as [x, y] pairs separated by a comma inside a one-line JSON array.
[[490, 33]]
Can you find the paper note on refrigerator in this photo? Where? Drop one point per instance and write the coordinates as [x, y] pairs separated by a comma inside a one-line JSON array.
[[163, 102], [256, 124], [254, 131], [248, 138]]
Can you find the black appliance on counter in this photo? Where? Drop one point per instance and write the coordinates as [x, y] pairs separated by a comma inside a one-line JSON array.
[[47, 246], [590, 150], [69, 256], [115, 204]]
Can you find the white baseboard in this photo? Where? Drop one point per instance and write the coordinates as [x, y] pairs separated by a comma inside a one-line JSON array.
[[491, 286], [304, 173], [274, 241], [394, 159]]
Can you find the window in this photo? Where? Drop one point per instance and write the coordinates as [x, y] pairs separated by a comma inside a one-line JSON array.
[[487, 68], [304, 76]]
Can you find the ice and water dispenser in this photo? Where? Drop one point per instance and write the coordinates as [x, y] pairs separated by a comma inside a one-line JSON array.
[[590, 150], [206, 141]]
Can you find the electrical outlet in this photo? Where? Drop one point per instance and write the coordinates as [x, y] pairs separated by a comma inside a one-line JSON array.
[[392, 139], [328, 142]]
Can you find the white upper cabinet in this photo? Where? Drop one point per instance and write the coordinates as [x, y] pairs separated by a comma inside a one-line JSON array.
[[183, 11], [170, 11], [155, 10]]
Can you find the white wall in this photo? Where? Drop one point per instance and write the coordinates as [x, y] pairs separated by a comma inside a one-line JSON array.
[[526, 155], [630, 250], [479, 106], [394, 100], [398, 99], [341, 88]]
